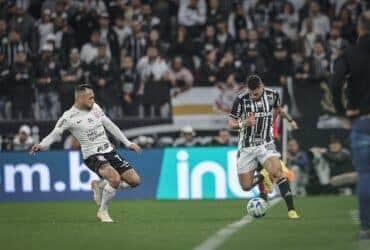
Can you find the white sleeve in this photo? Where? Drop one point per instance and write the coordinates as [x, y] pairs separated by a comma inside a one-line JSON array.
[[56, 133], [115, 131]]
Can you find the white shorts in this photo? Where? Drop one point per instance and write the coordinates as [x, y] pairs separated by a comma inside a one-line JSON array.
[[248, 158]]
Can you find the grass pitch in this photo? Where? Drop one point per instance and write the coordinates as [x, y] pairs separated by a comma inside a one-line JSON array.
[[325, 224]]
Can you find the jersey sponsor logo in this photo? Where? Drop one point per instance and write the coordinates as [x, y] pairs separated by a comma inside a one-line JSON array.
[[79, 121]]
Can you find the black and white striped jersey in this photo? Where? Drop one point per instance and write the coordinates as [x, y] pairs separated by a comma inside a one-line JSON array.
[[261, 132]]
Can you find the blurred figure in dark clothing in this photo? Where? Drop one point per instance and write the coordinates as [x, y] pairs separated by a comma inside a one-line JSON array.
[[128, 81], [47, 80], [339, 158], [12, 45], [72, 74], [354, 66], [102, 74], [183, 46], [21, 92], [207, 75], [5, 87], [136, 43], [65, 37], [223, 139], [109, 36], [254, 62], [214, 12]]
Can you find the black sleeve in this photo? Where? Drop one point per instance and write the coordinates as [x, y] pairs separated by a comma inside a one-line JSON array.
[[236, 110], [277, 102], [336, 82]]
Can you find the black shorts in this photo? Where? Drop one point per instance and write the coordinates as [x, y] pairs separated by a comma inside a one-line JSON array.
[[120, 164]]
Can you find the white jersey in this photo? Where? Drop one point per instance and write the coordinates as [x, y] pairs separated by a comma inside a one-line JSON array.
[[88, 126]]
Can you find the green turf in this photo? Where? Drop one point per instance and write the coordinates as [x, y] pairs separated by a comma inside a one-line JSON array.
[[326, 224]]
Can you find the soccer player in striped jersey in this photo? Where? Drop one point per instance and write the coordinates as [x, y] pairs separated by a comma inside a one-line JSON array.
[[252, 113]]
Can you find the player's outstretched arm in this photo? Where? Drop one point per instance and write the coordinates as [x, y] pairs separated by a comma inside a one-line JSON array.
[[117, 133], [287, 116], [55, 134]]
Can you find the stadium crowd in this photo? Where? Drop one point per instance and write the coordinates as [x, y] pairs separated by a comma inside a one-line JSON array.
[[139, 53]]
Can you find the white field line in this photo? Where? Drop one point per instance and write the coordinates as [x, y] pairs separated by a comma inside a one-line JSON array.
[[354, 216], [217, 239]]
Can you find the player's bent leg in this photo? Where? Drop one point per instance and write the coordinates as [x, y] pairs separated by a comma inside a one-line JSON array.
[[109, 191], [130, 177], [273, 166], [246, 180]]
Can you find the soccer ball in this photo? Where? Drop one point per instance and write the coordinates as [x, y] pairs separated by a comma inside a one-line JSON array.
[[257, 207]]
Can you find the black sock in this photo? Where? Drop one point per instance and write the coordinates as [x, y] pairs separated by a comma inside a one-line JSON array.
[[286, 193]]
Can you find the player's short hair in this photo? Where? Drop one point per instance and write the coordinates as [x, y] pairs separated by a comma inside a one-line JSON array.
[[364, 21], [253, 82], [82, 87]]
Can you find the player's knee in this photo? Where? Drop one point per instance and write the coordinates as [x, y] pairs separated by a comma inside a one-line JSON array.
[[246, 186], [114, 182], [135, 181]]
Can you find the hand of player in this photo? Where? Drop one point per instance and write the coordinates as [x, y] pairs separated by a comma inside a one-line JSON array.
[[251, 120], [135, 147], [35, 148], [294, 125], [352, 112]]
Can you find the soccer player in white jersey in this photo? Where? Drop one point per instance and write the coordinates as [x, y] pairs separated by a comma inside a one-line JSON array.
[[88, 123], [252, 113]]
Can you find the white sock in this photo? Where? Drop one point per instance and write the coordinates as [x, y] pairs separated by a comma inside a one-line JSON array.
[[108, 193], [102, 183], [123, 185]]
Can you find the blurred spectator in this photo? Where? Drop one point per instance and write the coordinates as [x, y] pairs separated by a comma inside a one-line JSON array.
[[21, 92], [208, 40], [64, 37], [23, 140], [71, 143], [319, 62], [241, 43], [347, 26], [102, 78], [155, 40], [71, 74], [228, 93], [207, 75], [135, 44], [128, 81], [182, 76], [298, 162], [5, 87], [183, 46], [97, 5], [289, 18], [12, 45], [90, 50], [224, 39], [47, 80], [122, 29], [84, 22], [45, 26], [109, 36], [354, 8], [227, 65], [214, 12], [155, 82], [187, 138], [254, 63], [320, 21], [238, 19], [24, 24], [282, 66], [148, 21], [144, 141], [338, 158], [192, 15], [335, 44], [223, 139]]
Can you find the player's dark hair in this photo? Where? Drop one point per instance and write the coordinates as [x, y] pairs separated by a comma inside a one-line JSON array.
[[253, 82], [82, 87]]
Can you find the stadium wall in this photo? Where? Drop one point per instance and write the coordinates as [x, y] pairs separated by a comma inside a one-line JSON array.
[[172, 173]]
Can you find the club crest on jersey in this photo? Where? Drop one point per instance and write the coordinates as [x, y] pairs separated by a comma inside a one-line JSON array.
[[90, 120]]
